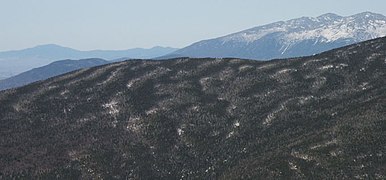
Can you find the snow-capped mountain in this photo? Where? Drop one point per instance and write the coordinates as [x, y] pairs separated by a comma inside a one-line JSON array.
[[296, 37]]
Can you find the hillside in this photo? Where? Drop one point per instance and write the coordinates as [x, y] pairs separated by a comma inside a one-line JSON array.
[[51, 70], [293, 38], [317, 117]]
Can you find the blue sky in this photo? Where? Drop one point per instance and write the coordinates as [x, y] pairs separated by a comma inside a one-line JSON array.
[[123, 24]]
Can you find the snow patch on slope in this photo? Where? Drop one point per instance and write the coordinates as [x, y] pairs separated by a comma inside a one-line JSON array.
[[326, 28], [252, 35]]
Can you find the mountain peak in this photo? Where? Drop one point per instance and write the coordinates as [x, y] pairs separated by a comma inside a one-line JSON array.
[[48, 46], [368, 14], [329, 16], [296, 37]]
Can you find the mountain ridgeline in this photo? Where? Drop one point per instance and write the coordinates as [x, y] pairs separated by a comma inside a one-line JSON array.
[[51, 70], [317, 117], [16, 62], [293, 38]]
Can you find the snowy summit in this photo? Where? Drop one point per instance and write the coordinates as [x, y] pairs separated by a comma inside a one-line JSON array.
[[296, 37]]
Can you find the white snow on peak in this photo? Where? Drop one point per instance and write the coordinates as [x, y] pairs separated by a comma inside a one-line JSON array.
[[328, 16], [253, 35], [325, 28]]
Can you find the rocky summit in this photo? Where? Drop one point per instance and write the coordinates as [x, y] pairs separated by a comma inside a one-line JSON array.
[[317, 117]]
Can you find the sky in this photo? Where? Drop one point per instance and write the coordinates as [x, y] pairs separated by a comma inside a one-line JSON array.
[[124, 24]]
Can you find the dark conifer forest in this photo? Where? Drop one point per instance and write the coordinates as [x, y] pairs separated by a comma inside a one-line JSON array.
[[317, 117]]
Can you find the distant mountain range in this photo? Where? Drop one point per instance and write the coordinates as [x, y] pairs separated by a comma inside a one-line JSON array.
[[317, 117], [51, 70], [297, 37], [15, 62], [293, 38]]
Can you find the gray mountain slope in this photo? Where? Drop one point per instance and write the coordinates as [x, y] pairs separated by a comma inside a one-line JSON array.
[[293, 38]]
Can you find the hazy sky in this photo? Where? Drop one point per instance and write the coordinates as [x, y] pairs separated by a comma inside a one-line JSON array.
[[123, 24]]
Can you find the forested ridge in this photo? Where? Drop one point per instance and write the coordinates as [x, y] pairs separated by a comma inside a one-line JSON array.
[[317, 117]]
